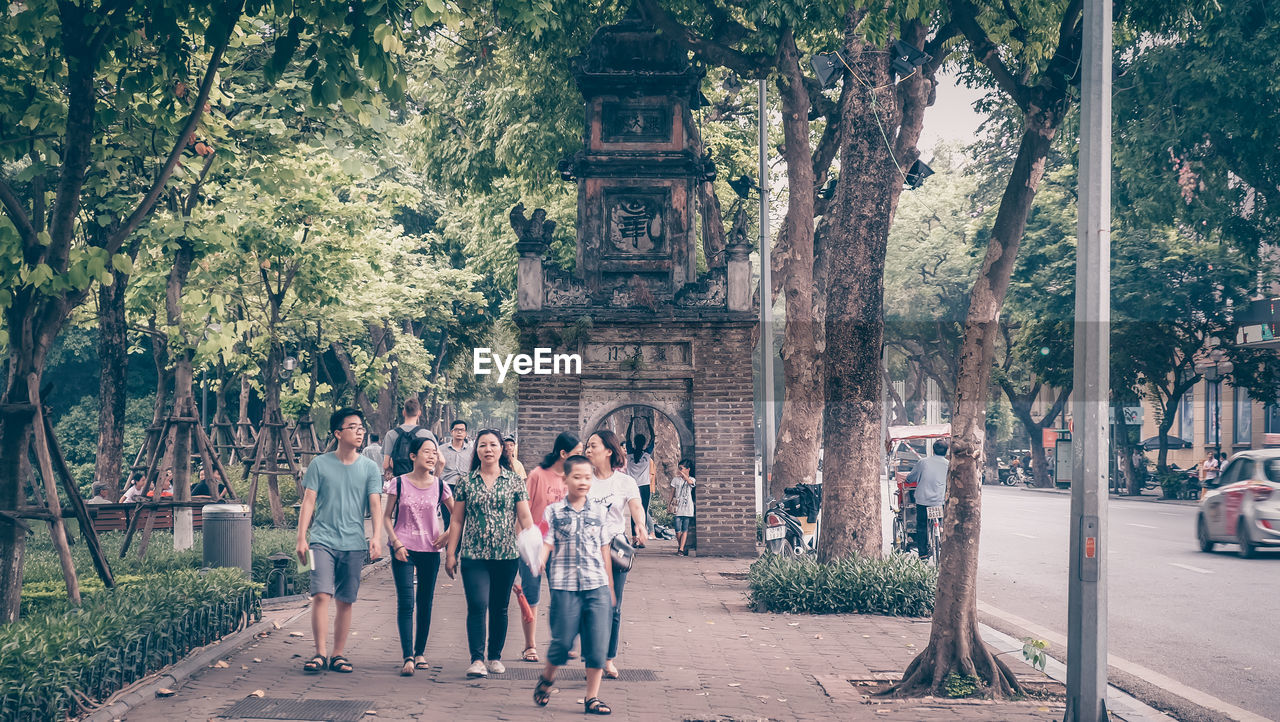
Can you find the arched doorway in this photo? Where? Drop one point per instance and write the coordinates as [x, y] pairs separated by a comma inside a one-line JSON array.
[[671, 441]]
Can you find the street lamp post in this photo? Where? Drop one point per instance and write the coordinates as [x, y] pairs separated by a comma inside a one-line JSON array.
[[1087, 585], [766, 297]]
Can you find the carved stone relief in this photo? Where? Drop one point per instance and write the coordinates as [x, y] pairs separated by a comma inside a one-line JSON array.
[[564, 290], [663, 355], [624, 123], [635, 222]]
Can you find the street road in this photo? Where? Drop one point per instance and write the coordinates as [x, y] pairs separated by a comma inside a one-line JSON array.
[[1210, 621]]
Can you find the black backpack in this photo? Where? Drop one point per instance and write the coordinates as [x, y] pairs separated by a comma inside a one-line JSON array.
[[399, 452]]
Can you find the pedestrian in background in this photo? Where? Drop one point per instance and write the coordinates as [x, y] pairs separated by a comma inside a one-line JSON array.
[[339, 489], [619, 495], [373, 451], [490, 506], [640, 467], [682, 487], [546, 486], [509, 446], [577, 547], [415, 523], [1209, 470], [396, 451], [457, 454]]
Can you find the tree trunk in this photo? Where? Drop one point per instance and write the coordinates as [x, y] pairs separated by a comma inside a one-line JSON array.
[[855, 310], [113, 358], [955, 644], [15, 438], [795, 460], [1035, 429], [184, 406]]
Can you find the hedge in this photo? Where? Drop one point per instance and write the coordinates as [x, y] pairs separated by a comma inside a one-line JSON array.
[[58, 661], [41, 572], [898, 585]]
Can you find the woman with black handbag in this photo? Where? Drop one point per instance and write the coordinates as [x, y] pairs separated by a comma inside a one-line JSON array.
[[619, 494], [416, 517]]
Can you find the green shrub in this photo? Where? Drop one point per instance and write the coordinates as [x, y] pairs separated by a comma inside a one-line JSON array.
[[53, 661], [961, 685], [51, 596], [898, 585], [1171, 483], [42, 573], [658, 510], [262, 507], [269, 541]]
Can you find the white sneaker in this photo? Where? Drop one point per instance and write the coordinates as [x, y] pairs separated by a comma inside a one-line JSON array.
[[477, 669], [496, 667]]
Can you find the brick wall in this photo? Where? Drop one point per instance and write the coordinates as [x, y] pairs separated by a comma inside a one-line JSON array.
[[722, 415], [724, 428]]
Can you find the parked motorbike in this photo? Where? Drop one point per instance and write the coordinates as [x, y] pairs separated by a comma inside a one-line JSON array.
[[783, 534], [1014, 476]]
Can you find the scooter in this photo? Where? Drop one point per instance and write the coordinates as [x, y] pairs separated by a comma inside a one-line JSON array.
[[783, 534]]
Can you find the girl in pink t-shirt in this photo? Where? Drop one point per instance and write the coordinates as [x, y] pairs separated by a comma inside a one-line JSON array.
[[415, 502], [546, 487]]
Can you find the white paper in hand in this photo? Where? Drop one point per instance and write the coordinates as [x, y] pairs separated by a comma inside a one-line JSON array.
[[529, 546]]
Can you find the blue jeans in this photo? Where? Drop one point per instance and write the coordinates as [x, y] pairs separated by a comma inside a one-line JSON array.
[[586, 614], [487, 584], [531, 585], [427, 564], [619, 581], [682, 524]]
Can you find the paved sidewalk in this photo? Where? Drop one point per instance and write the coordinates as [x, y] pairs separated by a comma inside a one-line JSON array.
[[684, 619]]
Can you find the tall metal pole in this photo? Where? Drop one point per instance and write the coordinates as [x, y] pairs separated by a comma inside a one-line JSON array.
[[1087, 588], [766, 294]]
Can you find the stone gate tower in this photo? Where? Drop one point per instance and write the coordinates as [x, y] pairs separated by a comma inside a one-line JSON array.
[[650, 330]]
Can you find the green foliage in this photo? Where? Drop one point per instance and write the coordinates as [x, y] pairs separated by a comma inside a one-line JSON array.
[[961, 685], [658, 510], [1172, 483], [898, 585], [42, 581], [1036, 652], [1199, 108], [115, 638]]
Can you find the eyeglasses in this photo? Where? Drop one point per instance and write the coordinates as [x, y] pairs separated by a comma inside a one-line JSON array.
[[349, 427]]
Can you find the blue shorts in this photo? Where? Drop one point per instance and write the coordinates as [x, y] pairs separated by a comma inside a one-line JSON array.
[[682, 524], [588, 614], [531, 585], [336, 573]]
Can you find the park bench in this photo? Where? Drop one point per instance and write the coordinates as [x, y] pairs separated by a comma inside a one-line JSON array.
[[115, 517]]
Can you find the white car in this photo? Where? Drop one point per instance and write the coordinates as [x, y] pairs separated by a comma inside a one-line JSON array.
[[1242, 506]]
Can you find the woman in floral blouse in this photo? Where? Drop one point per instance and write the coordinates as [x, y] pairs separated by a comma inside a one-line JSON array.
[[490, 506]]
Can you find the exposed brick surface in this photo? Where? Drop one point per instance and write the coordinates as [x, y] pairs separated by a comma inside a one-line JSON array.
[[717, 392]]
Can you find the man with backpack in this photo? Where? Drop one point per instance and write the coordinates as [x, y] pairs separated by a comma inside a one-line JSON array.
[[396, 459]]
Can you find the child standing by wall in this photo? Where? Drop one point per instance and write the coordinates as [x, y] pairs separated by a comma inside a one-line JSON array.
[[682, 499], [581, 587]]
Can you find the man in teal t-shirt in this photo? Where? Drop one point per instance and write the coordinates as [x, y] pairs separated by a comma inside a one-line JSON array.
[[339, 488]]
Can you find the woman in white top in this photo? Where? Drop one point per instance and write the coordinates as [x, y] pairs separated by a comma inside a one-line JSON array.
[[619, 494], [641, 468]]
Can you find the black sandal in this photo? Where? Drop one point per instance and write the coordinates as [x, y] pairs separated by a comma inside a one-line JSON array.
[[339, 663], [595, 706], [315, 665], [406, 669], [542, 693]]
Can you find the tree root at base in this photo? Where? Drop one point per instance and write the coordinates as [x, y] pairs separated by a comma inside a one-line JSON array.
[[928, 672]]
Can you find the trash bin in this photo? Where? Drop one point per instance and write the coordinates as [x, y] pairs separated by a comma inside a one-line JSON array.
[[228, 536]]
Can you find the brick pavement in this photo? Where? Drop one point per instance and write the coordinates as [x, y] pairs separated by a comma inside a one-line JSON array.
[[684, 618]]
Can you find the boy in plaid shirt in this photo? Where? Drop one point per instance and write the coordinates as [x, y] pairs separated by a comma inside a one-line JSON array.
[[580, 581]]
